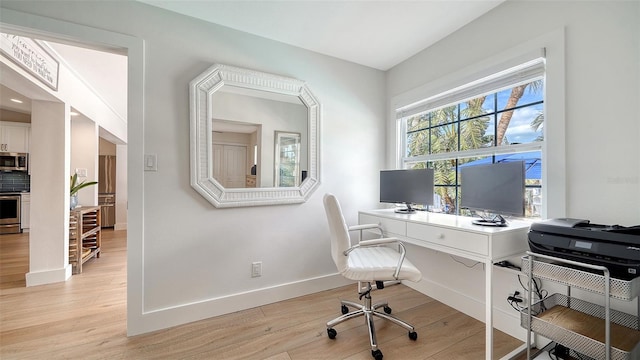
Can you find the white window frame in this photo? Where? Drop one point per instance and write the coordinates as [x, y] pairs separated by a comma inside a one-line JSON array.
[[551, 46]]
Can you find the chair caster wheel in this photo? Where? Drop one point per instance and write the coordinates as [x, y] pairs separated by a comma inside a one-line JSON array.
[[413, 335], [332, 333], [387, 310], [377, 354], [344, 309]]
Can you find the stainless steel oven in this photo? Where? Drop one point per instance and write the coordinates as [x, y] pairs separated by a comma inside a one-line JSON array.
[[9, 214]]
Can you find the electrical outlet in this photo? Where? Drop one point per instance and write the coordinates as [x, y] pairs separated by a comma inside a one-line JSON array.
[[256, 269]]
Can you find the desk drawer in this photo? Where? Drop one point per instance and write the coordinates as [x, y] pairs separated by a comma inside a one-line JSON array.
[[460, 240], [389, 226]]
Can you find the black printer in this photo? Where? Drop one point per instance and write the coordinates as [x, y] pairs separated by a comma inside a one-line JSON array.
[[613, 246]]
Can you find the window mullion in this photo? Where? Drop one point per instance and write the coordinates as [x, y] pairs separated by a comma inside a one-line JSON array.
[[495, 119]]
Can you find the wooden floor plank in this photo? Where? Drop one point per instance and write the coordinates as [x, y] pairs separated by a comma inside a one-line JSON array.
[[85, 318]]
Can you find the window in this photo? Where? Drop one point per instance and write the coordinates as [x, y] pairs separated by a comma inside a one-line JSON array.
[[499, 118]]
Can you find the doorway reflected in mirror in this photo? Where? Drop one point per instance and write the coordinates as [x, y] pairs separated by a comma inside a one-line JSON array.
[[231, 167]]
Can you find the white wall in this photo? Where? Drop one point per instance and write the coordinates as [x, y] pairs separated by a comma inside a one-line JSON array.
[[601, 45], [84, 155], [194, 260], [50, 162], [602, 90]]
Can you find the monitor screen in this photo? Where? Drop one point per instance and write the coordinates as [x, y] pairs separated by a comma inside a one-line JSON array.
[[497, 188], [408, 187]]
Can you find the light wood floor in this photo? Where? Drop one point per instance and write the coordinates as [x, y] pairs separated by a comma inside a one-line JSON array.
[[85, 318]]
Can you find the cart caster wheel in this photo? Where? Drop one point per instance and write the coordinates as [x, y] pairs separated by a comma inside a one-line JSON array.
[[387, 310], [413, 335], [344, 309], [377, 354], [332, 333]]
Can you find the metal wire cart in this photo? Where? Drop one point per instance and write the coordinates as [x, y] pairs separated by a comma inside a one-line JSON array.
[[589, 330]]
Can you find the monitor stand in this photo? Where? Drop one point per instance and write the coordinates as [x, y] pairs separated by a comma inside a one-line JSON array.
[[497, 220], [407, 210]]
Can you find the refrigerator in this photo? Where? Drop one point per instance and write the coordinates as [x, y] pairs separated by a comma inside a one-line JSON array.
[[107, 189]]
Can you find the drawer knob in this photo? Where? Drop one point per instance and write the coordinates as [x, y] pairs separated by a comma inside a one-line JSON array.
[[440, 236]]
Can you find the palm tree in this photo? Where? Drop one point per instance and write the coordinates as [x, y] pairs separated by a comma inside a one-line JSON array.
[[437, 132], [472, 132], [418, 135], [516, 94], [444, 138], [537, 123]]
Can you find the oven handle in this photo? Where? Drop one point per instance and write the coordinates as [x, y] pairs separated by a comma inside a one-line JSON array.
[[10, 197]]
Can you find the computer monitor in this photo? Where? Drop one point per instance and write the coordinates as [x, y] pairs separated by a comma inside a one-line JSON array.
[[497, 189], [408, 187]]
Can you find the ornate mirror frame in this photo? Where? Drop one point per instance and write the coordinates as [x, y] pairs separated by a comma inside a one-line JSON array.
[[200, 91]]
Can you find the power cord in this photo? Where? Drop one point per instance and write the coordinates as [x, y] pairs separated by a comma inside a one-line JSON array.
[[516, 299], [469, 266], [559, 352], [540, 293]]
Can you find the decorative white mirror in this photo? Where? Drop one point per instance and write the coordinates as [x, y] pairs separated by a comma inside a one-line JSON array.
[[254, 138]]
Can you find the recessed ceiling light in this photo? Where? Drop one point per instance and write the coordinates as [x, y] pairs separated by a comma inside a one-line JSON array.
[[17, 101]]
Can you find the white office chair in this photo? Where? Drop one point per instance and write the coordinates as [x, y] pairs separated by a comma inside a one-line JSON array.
[[369, 261]]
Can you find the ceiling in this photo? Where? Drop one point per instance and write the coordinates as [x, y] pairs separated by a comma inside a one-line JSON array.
[[378, 34]]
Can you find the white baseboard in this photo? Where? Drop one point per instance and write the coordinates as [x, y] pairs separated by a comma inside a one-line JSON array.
[[508, 323], [157, 319], [120, 226], [49, 276]]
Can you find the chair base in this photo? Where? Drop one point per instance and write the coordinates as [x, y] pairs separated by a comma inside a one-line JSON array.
[[369, 311]]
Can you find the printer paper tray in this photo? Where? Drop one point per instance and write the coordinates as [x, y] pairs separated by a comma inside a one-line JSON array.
[[620, 289]]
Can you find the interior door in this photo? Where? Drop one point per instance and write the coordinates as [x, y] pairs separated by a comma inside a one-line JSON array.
[[218, 163], [230, 165], [235, 160]]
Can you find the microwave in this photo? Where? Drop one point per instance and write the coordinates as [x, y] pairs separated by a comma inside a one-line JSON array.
[[13, 161]]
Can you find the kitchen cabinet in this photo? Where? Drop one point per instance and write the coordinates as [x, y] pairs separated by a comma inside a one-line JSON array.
[[25, 210], [84, 235], [587, 329], [14, 137]]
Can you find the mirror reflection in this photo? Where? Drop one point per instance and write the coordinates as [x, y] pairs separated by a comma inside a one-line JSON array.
[[259, 138], [239, 120]]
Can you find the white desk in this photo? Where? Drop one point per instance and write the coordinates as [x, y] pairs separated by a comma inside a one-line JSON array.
[[456, 235]]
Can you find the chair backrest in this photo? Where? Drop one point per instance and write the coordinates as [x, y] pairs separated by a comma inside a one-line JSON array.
[[340, 240]]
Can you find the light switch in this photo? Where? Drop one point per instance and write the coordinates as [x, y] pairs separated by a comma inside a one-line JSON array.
[[81, 172], [150, 162]]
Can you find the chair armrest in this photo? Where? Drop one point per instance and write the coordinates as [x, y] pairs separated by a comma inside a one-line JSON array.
[[364, 227], [382, 241]]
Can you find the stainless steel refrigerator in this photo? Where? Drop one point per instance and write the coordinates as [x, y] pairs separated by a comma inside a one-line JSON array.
[[107, 189]]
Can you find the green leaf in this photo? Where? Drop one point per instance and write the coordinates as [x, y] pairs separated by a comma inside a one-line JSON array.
[[75, 187]]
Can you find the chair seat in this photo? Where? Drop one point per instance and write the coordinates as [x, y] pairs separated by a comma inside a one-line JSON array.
[[378, 264]]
